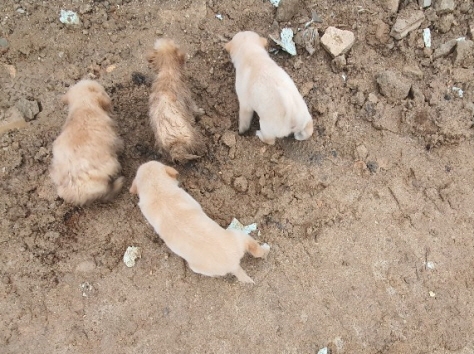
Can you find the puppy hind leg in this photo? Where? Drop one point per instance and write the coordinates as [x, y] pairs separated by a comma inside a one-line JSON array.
[[306, 132], [255, 249], [245, 118], [242, 276]]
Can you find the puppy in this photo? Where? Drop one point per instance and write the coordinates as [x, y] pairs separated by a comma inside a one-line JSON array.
[[172, 109], [84, 165], [262, 86], [186, 229]]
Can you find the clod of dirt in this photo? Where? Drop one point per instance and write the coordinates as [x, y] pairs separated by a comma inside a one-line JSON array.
[[443, 25], [286, 10], [391, 5], [228, 138], [140, 79], [241, 184], [464, 53], [12, 119], [337, 41], [407, 21], [445, 49], [309, 39], [338, 63], [29, 109], [393, 86]]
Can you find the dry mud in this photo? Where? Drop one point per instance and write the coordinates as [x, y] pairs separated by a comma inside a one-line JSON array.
[[370, 221]]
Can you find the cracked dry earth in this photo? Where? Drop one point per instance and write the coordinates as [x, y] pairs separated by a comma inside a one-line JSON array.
[[370, 221]]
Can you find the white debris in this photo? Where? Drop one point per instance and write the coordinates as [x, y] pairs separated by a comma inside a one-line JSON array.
[[323, 350], [432, 294], [430, 265], [286, 41], [275, 2], [69, 18], [461, 39], [131, 254], [219, 17], [237, 225], [427, 37], [459, 91]]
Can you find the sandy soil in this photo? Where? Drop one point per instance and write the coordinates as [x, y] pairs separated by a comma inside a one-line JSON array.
[[370, 221]]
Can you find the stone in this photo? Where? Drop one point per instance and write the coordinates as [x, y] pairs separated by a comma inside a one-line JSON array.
[[228, 138], [445, 49], [11, 119], [306, 88], [241, 184], [464, 54], [413, 72], [338, 63], [444, 6], [3, 45], [382, 31], [29, 109], [286, 10], [424, 3], [391, 5], [309, 39], [393, 86], [444, 23], [361, 152], [407, 21], [336, 41]]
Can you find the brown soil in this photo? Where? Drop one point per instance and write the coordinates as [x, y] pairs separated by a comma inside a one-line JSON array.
[[370, 221]]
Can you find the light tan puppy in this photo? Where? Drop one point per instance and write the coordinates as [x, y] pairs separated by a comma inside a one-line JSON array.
[[84, 166], [172, 109], [182, 224], [262, 86]]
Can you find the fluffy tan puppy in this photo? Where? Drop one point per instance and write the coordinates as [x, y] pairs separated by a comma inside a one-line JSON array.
[[182, 224], [172, 109], [84, 166], [262, 86]]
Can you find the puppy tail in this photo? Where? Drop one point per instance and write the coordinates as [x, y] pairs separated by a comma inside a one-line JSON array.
[[252, 247], [114, 189]]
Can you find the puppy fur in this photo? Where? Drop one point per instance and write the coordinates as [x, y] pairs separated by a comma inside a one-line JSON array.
[[264, 87], [172, 109], [186, 229], [84, 165]]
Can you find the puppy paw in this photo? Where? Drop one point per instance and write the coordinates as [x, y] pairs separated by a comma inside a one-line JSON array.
[[269, 141]]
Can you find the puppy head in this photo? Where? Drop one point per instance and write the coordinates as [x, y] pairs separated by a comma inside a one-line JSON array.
[[151, 172], [88, 90], [165, 52], [245, 38]]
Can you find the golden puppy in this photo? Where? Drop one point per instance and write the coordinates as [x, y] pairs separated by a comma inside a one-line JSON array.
[[186, 229], [84, 165], [172, 109], [262, 86]]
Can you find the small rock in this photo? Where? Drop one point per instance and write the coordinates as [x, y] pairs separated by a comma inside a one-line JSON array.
[[338, 64], [407, 21], [85, 9], [131, 254], [3, 45], [424, 3], [228, 138], [444, 23], [287, 9], [393, 86], [241, 184], [308, 38], [86, 266], [337, 41], [464, 54], [372, 98], [372, 166], [413, 72], [13, 119], [29, 109], [444, 6], [382, 31], [445, 49], [41, 154], [391, 5]]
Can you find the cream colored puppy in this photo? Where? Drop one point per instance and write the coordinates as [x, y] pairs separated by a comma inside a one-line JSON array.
[[172, 109], [85, 166], [182, 224], [262, 86]]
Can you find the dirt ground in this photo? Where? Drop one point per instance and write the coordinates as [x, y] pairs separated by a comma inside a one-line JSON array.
[[371, 221]]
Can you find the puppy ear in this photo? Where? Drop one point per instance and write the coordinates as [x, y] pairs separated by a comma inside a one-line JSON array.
[[133, 188], [150, 56], [105, 102], [228, 47], [171, 172], [264, 42]]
